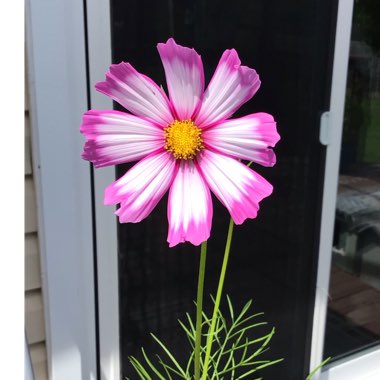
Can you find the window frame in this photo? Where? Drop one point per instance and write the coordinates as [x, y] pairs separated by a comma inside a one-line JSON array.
[[363, 362], [361, 365], [99, 60], [58, 97]]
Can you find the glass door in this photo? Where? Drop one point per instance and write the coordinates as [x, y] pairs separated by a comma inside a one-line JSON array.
[[274, 257], [353, 317]]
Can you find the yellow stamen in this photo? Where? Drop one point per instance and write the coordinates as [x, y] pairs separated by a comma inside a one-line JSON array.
[[184, 139]]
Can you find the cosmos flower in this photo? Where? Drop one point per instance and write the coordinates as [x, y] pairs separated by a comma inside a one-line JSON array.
[[185, 143]]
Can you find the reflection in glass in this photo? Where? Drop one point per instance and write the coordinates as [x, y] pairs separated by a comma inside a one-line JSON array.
[[353, 321]]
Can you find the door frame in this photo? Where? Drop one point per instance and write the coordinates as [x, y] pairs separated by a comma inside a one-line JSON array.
[[99, 60], [331, 131], [100, 57], [56, 55], [331, 136]]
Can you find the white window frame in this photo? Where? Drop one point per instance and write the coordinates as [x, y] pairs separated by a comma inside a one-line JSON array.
[[363, 365], [58, 84], [100, 58], [58, 97]]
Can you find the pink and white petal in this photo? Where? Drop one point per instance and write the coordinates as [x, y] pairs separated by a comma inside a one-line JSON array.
[[230, 87], [248, 138], [115, 137], [239, 188], [184, 77], [137, 93], [189, 207], [142, 187]]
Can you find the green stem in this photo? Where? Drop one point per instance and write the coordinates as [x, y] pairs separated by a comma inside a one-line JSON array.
[[198, 329], [210, 336]]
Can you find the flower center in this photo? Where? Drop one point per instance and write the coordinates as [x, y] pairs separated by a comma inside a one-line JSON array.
[[184, 139]]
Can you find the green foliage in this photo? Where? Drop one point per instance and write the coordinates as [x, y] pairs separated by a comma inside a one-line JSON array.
[[235, 355], [317, 369]]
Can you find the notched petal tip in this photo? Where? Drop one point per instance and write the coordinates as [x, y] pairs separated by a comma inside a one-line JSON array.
[[109, 196], [189, 207], [169, 41], [172, 44], [136, 92], [174, 243], [264, 117], [249, 77], [270, 159], [231, 86], [232, 55], [276, 137], [238, 187], [114, 69], [184, 77], [102, 87], [273, 158]]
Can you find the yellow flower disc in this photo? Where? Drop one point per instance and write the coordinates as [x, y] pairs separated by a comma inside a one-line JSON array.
[[184, 139]]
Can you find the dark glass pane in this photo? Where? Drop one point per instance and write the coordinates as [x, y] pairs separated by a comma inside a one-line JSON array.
[[353, 320], [273, 258]]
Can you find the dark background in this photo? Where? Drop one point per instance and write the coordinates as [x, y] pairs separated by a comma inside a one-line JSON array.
[[274, 257]]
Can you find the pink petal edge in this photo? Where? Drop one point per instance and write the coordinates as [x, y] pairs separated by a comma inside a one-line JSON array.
[[115, 137], [184, 77], [231, 86], [189, 207], [238, 188], [249, 138], [137, 93], [142, 187]]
